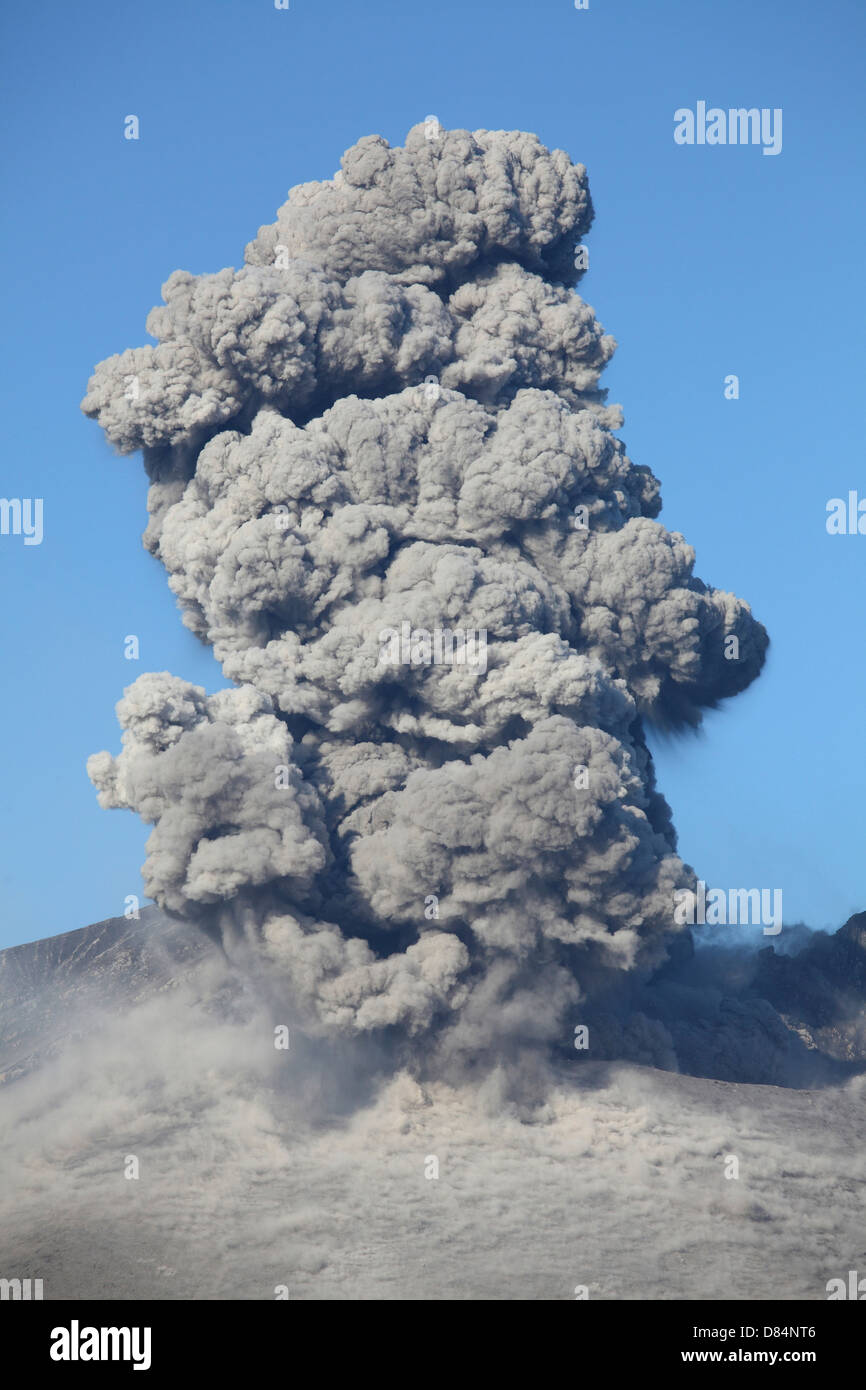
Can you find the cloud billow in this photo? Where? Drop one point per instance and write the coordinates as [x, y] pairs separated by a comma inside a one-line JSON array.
[[391, 414]]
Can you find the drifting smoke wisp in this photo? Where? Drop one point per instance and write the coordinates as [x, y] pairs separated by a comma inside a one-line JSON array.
[[391, 415]]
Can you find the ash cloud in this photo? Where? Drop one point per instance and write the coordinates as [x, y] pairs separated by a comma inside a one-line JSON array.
[[391, 414]]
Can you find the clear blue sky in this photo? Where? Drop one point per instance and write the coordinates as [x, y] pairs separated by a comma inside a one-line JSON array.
[[704, 261]]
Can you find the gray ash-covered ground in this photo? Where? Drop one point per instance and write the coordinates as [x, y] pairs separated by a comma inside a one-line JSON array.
[[261, 1168]]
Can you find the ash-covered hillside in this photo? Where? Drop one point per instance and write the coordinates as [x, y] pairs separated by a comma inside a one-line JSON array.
[[52, 990], [155, 1144]]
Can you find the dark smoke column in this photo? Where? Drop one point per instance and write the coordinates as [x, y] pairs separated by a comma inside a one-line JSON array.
[[389, 421]]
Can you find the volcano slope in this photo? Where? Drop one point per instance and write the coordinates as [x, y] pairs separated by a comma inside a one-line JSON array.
[[302, 1169]]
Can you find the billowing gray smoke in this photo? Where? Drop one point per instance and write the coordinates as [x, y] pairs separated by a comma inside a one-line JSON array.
[[389, 422]]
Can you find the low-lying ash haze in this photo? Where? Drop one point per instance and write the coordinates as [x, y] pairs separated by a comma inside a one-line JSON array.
[[416, 947]]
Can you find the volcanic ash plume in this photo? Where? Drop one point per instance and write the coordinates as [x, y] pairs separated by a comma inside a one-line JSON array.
[[379, 453]]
